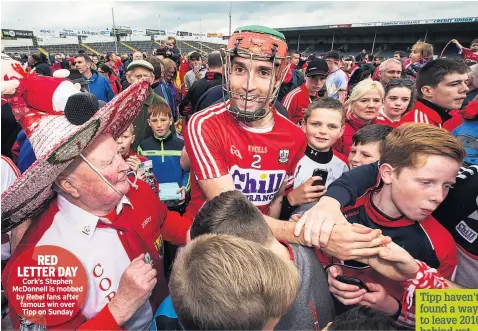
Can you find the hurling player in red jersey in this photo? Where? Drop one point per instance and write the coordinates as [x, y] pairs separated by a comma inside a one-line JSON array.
[[244, 144]]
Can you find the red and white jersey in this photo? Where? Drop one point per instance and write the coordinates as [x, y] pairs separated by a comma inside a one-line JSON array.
[[382, 118], [468, 54], [260, 161], [421, 113], [9, 174], [296, 102]]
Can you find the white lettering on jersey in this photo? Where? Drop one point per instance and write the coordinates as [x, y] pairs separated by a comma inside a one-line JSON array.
[[235, 151], [259, 186], [466, 232]]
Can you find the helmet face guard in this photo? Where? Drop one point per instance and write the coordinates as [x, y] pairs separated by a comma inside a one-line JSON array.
[[256, 44]]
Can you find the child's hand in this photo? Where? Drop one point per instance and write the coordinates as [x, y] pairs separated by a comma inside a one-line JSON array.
[[182, 190], [345, 293], [379, 299], [306, 192], [133, 162]]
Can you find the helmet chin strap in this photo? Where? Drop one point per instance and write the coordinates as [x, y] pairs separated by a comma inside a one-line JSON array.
[[107, 182]]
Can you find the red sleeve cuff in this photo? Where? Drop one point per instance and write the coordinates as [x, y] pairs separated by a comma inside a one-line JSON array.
[[175, 228], [103, 321]]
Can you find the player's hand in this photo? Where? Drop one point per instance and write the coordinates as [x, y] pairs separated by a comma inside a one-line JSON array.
[[182, 190], [354, 241], [306, 193], [135, 286], [319, 221], [379, 299], [393, 262], [345, 293], [133, 162]]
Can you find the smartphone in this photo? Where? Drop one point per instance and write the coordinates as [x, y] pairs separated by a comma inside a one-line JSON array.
[[352, 281], [321, 173]]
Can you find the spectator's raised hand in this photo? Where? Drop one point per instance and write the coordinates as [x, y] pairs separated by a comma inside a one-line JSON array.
[[135, 287]]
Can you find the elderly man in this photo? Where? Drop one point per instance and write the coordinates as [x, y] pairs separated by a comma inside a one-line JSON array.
[[389, 69], [137, 70], [115, 229]]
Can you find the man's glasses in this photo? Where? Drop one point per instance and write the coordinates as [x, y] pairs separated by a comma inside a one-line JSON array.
[[399, 81]]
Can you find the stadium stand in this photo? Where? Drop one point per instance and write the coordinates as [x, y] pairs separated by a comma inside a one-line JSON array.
[[383, 37]]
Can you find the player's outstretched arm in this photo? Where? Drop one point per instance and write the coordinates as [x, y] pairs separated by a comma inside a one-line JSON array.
[[214, 186]]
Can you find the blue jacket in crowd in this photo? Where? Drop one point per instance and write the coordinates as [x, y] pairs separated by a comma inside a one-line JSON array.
[[165, 153], [100, 87]]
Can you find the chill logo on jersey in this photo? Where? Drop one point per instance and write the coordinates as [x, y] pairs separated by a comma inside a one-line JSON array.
[[259, 186]]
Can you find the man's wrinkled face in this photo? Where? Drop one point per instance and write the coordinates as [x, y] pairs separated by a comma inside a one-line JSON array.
[[391, 71], [139, 72], [94, 192], [137, 56], [251, 80], [417, 192]]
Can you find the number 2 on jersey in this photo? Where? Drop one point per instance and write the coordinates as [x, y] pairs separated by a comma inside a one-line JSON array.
[[257, 161]]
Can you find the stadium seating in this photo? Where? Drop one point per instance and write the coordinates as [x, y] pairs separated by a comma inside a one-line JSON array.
[[104, 47]]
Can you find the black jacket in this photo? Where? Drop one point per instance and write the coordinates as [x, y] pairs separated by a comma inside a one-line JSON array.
[[42, 68], [188, 105]]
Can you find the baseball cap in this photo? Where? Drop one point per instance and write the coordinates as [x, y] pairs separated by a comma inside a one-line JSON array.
[[140, 63], [317, 67]]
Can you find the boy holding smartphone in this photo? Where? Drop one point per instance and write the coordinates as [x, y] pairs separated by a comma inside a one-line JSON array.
[[323, 125]]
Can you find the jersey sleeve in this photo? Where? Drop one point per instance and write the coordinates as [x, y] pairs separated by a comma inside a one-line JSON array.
[[290, 103], [299, 153], [353, 184], [342, 82], [204, 148]]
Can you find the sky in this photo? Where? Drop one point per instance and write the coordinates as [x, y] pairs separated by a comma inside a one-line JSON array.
[[213, 16]]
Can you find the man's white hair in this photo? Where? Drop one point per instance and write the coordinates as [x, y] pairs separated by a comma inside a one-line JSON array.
[[385, 63], [473, 74]]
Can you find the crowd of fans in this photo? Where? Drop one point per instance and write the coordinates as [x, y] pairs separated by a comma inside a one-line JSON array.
[[303, 196]]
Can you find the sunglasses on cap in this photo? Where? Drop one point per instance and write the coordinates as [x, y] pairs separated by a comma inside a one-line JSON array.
[[397, 81]]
